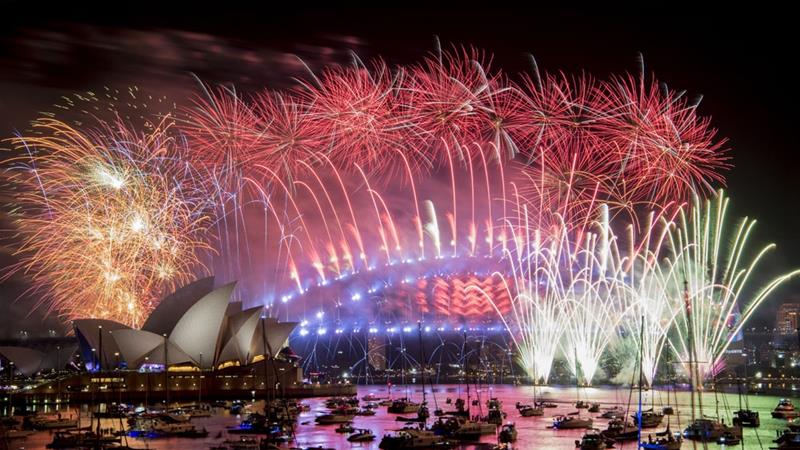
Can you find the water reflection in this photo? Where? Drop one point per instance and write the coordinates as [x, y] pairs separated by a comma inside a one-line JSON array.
[[532, 431]]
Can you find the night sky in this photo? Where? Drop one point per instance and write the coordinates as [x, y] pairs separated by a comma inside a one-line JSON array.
[[742, 65]]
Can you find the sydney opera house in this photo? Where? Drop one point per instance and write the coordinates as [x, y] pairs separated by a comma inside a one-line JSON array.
[[196, 343]]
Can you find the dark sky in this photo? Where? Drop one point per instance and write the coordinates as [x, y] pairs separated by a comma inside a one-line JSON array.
[[740, 63]]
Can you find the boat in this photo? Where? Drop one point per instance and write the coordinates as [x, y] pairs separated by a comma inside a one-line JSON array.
[[495, 417], [593, 440], [361, 435], [78, 439], [708, 430], [594, 407], [15, 434], [370, 397], [529, 411], [8, 421], [580, 404], [337, 402], [330, 419], [665, 440], [787, 440], [508, 434], [612, 413], [729, 439], [621, 431], [113, 412], [462, 428], [746, 418], [668, 410], [403, 406], [411, 439], [199, 410], [163, 425], [461, 408], [650, 419], [545, 404], [365, 412], [243, 443], [571, 421], [785, 410], [51, 423], [345, 428], [194, 433]]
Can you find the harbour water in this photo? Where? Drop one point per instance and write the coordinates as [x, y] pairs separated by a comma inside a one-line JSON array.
[[533, 431]]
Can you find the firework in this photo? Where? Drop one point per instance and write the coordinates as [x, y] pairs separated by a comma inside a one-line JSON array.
[[430, 176], [713, 258], [109, 222], [665, 150]]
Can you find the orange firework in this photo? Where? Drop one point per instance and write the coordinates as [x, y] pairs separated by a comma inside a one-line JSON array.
[[110, 220]]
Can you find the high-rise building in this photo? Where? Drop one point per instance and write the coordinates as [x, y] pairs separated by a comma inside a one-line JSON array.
[[786, 321]]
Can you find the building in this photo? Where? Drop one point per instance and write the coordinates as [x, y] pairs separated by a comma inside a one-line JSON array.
[[786, 321], [197, 341]]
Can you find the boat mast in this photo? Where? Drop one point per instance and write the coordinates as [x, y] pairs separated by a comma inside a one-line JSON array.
[[422, 361], [466, 368], [688, 310], [577, 377], [166, 372], [267, 354], [641, 377]]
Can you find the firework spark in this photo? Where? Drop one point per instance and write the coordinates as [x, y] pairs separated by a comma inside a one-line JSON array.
[[714, 259], [109, 220]]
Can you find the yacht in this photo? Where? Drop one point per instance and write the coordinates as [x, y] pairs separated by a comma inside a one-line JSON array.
[[788, 440], [665, 440], [508, 434], [163, 425], [462, 428], [708, 430], [746, 418], [650, 419], [411, 439], [593, 440], [461, 408], [14, 434], [613, 413], [403, 406], [51, 423], [571, 422], [361, 435], [495, 415], [785, 410], [529, 411], [621, 431], [334, 418]]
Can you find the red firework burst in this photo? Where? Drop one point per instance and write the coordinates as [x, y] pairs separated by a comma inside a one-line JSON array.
[[444, 96], [505, 119], [288, 138], [571, 182], [666, 150], [358, 113], [221, 128]]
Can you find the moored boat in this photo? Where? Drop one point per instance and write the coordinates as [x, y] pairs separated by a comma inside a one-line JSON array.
[[571, 422]]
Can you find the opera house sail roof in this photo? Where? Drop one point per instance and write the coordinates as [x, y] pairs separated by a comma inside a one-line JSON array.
[[196, 325]]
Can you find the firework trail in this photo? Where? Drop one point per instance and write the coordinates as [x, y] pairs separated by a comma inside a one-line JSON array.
[[365, 167], [639, 285], [713, 257]]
